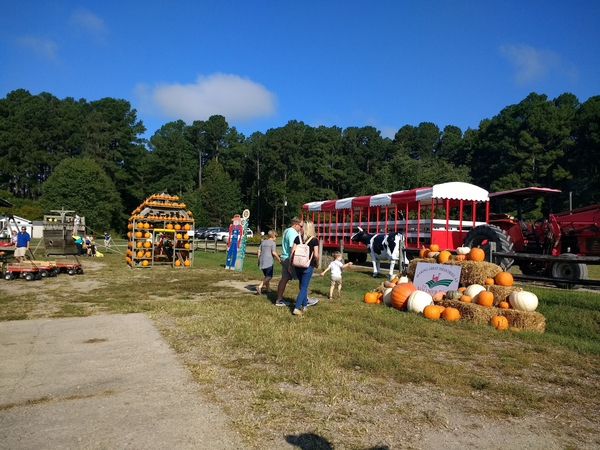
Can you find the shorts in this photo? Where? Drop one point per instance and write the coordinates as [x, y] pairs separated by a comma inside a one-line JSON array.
[[268, 272], [285, 270], [20, 252], [336, 280]]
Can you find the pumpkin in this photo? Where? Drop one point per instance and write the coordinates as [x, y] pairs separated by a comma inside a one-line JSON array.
[[423, 252], [400, 294], [438, 296], [138, 234], [444, 256], [388, 284], [177, 263], [147, 235], [431, 312], [485, 298], [473, 290], [371, 297], [177, 226], [462, 289], [140, 253], [386, 297], [466, 298], [139, 244], [417, 301], [434, 248], [186, 245], [169, 226], [460, 258], [441, 308], [433, 254], [523, 300], [504, 279], [147, 244], [499, 322], [477, 254], [145, 262], [451, 314], [463, 250], [394, 281], [489, 282], [187, 227], [503, 305], [146, 225], [186, 263], [453, 295], [148, 255]]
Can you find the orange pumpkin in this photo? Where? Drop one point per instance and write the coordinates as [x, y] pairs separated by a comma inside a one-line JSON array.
[[444, 256], [177, 226], [460, 258], [489, 281], [477, 254], [504, 279], [431, 312], [138, 234], [504, 305], [441, 308], [400, 294], [371, 297], [177, 263], [438, 296], [465, 298], [462, 289], [451, 314], [423, 252], [186, 263], [485, 298], [434, 248], [499, 322]]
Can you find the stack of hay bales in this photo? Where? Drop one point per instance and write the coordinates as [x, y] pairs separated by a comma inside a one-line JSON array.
[[474, 272]]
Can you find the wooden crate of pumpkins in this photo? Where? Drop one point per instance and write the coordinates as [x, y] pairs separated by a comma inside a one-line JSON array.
[[486, 295]]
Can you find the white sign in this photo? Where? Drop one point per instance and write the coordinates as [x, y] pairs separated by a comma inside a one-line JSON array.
[[432, 278]]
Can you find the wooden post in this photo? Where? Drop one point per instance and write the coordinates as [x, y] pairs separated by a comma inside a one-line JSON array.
[[492, 250]]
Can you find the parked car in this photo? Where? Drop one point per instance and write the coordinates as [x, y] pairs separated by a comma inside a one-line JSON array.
[[225, 236], [200, 232], [212, 233]]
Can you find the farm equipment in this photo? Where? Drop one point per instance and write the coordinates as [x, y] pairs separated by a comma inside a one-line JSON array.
[[69, 267], [565, 236], [15, 270]]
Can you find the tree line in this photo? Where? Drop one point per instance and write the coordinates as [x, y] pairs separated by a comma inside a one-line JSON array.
[[90, 156]]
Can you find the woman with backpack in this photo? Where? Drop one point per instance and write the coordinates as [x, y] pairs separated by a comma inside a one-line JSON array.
[[304, 256]]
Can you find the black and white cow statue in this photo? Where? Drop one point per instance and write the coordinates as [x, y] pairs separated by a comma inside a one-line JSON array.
[[381, 247]]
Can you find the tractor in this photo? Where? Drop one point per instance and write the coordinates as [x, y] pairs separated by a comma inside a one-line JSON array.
[[567, 234]]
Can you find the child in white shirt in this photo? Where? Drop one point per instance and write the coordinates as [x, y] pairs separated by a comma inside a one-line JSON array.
[[336, 267]]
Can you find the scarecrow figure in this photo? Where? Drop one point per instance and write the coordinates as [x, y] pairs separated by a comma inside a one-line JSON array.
[[234, 242]]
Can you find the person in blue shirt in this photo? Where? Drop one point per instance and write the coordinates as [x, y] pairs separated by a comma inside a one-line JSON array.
[[23, 239]]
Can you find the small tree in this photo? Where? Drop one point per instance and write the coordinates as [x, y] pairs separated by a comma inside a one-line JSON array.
[[80, 184]]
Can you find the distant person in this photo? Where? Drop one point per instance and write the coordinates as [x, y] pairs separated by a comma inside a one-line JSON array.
[[106, 239], [23, 239], [287, 272], [91, 246], [13, 237], [304, 275], [79, 244], [76, 222], [336, 266], [267, 253]]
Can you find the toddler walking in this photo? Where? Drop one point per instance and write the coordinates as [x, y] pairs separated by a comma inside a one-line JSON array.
[[336, 267]]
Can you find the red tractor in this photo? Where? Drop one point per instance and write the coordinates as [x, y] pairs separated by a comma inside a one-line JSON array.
[[567, 234]]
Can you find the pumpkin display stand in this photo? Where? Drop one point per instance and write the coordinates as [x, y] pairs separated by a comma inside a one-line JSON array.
[[160, 232], [477, 272]]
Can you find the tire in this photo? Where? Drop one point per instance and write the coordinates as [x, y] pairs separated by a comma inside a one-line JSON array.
[[352, 257], [8, 276], [534, 268], [483, 234], [570, 271], [71, 271], [79, 271], [362, 258], [29, 276], [44, 273]]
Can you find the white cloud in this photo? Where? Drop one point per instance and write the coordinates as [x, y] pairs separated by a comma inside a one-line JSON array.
[[231, 96], [89, 22], [44, 48], [532, 64]]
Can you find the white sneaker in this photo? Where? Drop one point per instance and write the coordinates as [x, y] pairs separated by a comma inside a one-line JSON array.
[[282, 303], [312, 301]]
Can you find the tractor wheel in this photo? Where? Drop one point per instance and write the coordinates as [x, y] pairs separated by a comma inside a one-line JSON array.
[[8, 276], [352, 257], [570, 271], [29, 276], [482, 235], [534, 268], [362, 258]]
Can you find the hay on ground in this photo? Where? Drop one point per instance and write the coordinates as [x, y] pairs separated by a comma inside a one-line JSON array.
[[501, 293], [529, 321]]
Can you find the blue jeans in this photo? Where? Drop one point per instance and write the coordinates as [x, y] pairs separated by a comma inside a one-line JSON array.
[[304, 275]]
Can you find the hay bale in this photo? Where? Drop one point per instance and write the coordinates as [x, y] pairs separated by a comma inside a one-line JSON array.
[[472, 272], [529, 321], [501, 293]]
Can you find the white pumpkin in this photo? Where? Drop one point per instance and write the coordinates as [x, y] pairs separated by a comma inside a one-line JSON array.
[[387, 294], [523, 300], [433, 255], [463, 250], [417, 301], [403, 279], [473, 290]]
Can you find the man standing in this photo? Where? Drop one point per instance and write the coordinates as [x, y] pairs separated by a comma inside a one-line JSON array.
[[76, 222], [287, 271], [23, 239]]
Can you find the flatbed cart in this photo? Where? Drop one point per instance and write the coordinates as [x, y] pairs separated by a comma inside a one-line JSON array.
[[26, 270], [69, 267], [47, 268]]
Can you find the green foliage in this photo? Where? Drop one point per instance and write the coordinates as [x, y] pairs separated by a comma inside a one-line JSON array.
[[220, 195], [80, 184]]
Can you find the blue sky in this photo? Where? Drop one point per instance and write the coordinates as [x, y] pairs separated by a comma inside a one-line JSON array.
[[344, 63]]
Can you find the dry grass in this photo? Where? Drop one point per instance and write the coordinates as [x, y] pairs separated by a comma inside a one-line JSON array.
[[354, 375]]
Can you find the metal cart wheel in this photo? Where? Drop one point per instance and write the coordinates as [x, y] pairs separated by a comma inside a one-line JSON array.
[[71, 271], [8, 276], [29, 276], [44, 273], [79, 271]]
